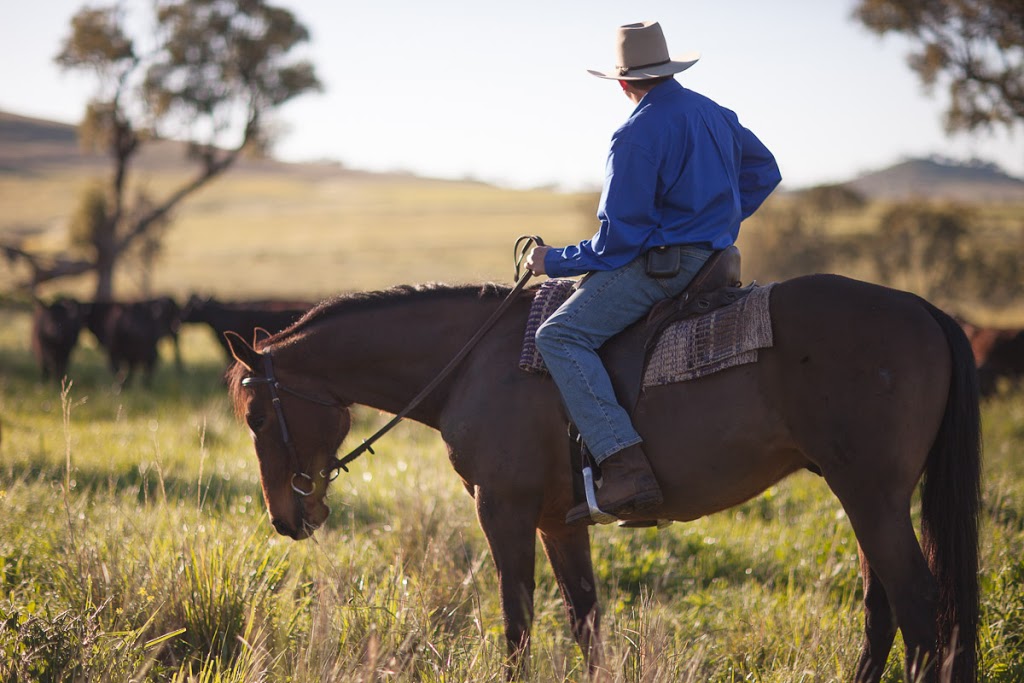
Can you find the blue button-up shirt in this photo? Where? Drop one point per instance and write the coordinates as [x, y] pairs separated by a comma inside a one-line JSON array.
[[681, 170]]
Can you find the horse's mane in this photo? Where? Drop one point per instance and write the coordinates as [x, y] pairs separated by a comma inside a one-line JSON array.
[[401, 294], [364, 301]]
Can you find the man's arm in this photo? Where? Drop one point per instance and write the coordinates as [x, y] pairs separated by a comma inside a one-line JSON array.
[[759, 174], [628, 215]]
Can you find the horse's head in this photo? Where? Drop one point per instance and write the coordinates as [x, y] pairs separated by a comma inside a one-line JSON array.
[[296, 429]]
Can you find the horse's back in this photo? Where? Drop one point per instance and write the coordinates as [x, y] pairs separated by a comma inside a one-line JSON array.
[[869, 339]]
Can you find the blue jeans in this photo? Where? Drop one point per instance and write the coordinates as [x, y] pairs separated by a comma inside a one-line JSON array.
[[604, 304]]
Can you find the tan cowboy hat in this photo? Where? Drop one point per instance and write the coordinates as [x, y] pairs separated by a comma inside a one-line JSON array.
[[641, 52]]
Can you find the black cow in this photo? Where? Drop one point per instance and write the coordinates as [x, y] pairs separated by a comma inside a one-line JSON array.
[[55, 329], [130, 332], [243, 317], [168, 316]]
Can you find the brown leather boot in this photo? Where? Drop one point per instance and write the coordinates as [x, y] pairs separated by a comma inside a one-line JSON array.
[[628, 486]]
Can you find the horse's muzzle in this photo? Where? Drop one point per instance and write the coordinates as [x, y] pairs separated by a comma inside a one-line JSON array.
[[288, 530]]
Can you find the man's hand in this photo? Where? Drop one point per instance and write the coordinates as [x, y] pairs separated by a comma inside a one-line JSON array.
[[535, 260]]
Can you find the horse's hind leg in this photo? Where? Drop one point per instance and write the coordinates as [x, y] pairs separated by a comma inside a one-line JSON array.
[[879, 626], [568, 552], [887, 539]]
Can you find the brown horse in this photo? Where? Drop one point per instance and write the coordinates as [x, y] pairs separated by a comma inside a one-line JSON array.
[[873, 387]]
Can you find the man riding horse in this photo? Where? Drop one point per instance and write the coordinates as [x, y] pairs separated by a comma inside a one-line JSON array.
[[681, 175]]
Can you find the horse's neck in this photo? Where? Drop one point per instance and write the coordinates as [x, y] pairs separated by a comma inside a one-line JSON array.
[[383, 358]]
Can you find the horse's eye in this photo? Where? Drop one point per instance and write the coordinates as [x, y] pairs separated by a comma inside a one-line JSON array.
[[255, 421]]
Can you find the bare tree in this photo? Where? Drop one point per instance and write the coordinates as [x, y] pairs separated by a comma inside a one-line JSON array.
[[216, 72]]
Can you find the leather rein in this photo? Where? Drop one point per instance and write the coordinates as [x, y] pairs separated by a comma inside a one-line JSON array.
[[522, 248]]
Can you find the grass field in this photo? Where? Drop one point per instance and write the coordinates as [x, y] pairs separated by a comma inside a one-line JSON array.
[[134, 544]]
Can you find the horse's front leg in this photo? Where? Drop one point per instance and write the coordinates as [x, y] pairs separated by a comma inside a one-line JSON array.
[[568, 551], [510, 524]]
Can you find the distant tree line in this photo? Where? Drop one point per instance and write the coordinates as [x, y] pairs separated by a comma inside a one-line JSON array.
[[939, 250]]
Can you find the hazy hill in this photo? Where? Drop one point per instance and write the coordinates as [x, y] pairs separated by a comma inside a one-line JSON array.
[[29, 145], [941, 179]]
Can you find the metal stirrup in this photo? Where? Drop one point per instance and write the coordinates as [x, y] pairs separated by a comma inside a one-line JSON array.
[[597, 514]]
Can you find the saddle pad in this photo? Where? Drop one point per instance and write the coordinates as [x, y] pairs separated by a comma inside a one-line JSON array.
[[699, 346], [550, 295]]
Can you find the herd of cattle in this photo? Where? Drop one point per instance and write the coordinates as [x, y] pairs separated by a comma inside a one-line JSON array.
[[130, 331]]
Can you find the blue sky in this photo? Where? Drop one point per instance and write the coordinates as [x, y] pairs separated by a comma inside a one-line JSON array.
[[499, 91]]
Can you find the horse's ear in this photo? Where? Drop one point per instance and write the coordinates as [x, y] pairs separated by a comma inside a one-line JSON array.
[[258, 335], [240, 349]]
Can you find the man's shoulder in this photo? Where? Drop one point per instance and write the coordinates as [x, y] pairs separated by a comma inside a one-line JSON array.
[[692, 104], [691, 100]]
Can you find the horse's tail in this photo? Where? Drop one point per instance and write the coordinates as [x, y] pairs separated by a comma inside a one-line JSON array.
[[950, 502]]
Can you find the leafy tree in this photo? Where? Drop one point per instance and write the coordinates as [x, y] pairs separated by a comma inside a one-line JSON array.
[[217, 71], [976, 45]]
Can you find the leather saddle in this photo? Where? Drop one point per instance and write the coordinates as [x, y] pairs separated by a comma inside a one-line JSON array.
[[625, 356]]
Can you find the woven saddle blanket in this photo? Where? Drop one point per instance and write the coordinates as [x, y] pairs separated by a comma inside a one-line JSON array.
[[687, 349]]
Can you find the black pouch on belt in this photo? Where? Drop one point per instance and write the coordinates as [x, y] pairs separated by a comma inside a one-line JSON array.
[[664, 262]]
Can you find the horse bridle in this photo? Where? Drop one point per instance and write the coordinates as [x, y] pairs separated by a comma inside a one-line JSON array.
[[521, 250], [274, 386]]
